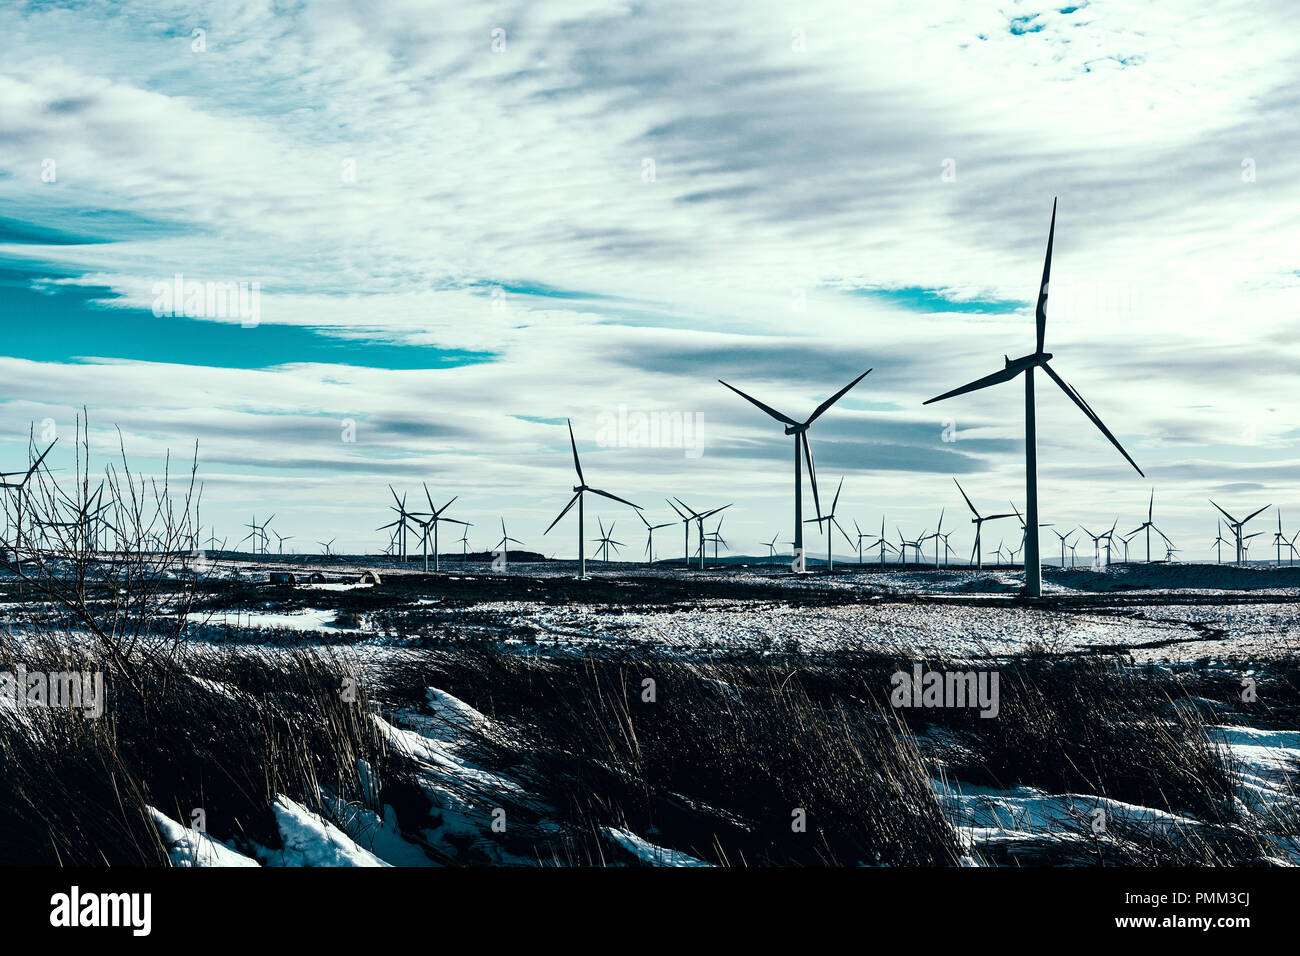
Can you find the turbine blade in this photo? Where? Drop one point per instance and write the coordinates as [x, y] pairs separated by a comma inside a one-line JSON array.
[[835, 398], [812, 471], [1087, 410], [836, 501], [997, 378], [1231, 519], [606, 494], [574, 445], [1254, 513], [964, 495], [1040, 313], [767, 408]]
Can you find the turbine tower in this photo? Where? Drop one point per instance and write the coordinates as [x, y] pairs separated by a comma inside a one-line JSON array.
[[1026, 364], [800, 432]]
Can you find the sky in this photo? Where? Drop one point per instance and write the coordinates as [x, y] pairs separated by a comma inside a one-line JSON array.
[[462, 224]]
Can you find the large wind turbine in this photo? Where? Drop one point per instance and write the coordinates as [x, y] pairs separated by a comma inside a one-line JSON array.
[[1026, 364], [1235, 526], [800, 432], [579, 490], [977, 552]]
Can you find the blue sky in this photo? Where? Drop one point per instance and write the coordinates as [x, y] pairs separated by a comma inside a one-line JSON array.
[[459, 243]]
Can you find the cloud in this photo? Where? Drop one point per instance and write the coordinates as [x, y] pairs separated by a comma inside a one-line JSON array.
[[382, 172]]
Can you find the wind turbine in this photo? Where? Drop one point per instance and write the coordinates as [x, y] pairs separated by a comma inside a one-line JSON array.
[[947, 549], [1096, 543], [432, 517], [1024, 528], [1279, 537], [400, 523], [1235, 526], [606, 540], [282, 539], [771, 549], [579, 490], [977, 552], [258, 534], [1148, 525], [18, 487], [831, 524], [904, 544], [881, 542], [1026, 364], [1219, 541], [716, 537], [936, 535], [698, 518], [327, 545], [1064, 543], [464, 545], [860, 535], [650, 530], [1291, 544], [1125, 541], [800, 432], [506, 540]]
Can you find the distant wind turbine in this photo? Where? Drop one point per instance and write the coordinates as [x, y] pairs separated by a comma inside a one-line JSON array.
[[580, 489], [650, 530], [800, 432], [831, 524], [506, 540], [432, 518], [977, 553], [1236, 526]]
